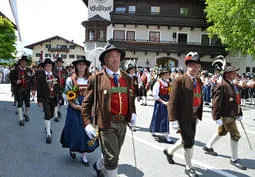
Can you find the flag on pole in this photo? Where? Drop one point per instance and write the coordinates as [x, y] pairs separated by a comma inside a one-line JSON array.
[[13, 5]]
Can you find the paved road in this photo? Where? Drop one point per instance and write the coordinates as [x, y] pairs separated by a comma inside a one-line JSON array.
[[24, 153]]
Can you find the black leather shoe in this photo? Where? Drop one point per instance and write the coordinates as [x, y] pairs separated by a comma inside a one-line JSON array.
[[85, 163], [56, 119], [237, 163], [72, 155], [21, 123], [191, 172], [59, 114], [26, 117], [48, 139], [99, 172], [210, 151], [169, 157]]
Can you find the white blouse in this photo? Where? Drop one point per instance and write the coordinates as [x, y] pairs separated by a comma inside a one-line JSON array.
[[155, 91]]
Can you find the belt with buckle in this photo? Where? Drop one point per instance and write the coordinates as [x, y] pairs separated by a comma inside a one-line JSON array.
[[118, 118]]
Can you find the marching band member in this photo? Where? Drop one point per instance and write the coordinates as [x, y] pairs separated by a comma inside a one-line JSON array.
[[48, 92], [113, 91], [61, 74], [22, 78], [185, 107], [226, 109]]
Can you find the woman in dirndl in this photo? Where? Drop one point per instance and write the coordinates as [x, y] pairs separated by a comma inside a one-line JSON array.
[[73, 134], [161, 93]]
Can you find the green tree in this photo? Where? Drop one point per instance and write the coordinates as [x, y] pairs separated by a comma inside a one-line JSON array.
[[233, 21], [7, 39]]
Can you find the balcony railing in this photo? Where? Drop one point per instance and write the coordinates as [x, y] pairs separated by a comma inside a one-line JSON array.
[[58, 49], [169, 47], [152, 19]]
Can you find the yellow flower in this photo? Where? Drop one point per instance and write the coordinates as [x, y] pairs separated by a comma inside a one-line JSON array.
[[71, 95], [169, 89]]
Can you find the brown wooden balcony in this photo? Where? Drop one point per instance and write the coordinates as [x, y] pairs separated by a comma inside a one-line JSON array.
[[160, 20], [58, 49], [169, 47]]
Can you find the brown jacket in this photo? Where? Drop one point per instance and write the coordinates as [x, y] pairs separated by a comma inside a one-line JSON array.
[[103, 105], [43, 90], [29, 78], [180, 105], [224, 101]]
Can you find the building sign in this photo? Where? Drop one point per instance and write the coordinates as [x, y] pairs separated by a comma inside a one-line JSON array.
[[100, 7]]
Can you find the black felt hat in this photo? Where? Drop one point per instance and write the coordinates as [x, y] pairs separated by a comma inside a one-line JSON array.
[[81, 59], [109, 48]]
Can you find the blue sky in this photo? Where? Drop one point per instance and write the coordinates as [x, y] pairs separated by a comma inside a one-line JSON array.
[[41, 19]]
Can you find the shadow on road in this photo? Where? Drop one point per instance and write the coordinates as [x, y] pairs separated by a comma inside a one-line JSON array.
[[129, 170]]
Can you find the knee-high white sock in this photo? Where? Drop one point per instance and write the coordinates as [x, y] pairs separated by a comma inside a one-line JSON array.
[[234, 149], [188, 156], [176, 146], [56, 111], [47, 127], [111, 173], [84, 157], [20, 114], [100, 162], [215, 138], [26, 110]]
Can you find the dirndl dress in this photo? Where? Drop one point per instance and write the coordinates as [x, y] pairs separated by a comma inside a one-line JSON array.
[[159, 122], [73, 134]]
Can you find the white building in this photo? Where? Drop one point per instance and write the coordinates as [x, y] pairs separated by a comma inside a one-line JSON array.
[[56, 46], [155, 32]]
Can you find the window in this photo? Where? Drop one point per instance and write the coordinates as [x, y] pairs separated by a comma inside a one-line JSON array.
[[37, 55], [253, 69], [96, 34], [48, 46], [248, 69], [120, 9], [91, 35], [215, 41], [72, 47], [59, 46], [63, 56], [205, 40], [56, 55], [154, 36], [118, 35], [101, 35], [184, 11], [131, 9], [130, 36], [64, 46], [155, 9], [71, 56], [182, 38], [79, 56], [47, 55]]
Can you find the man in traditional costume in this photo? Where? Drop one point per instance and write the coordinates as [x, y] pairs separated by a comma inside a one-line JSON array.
[[111, 92], [22, 80], [61, 73], [185, 107], [48, 92], [226, 110]]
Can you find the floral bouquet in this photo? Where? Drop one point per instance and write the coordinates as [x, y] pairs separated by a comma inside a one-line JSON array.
[[71, 92]]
